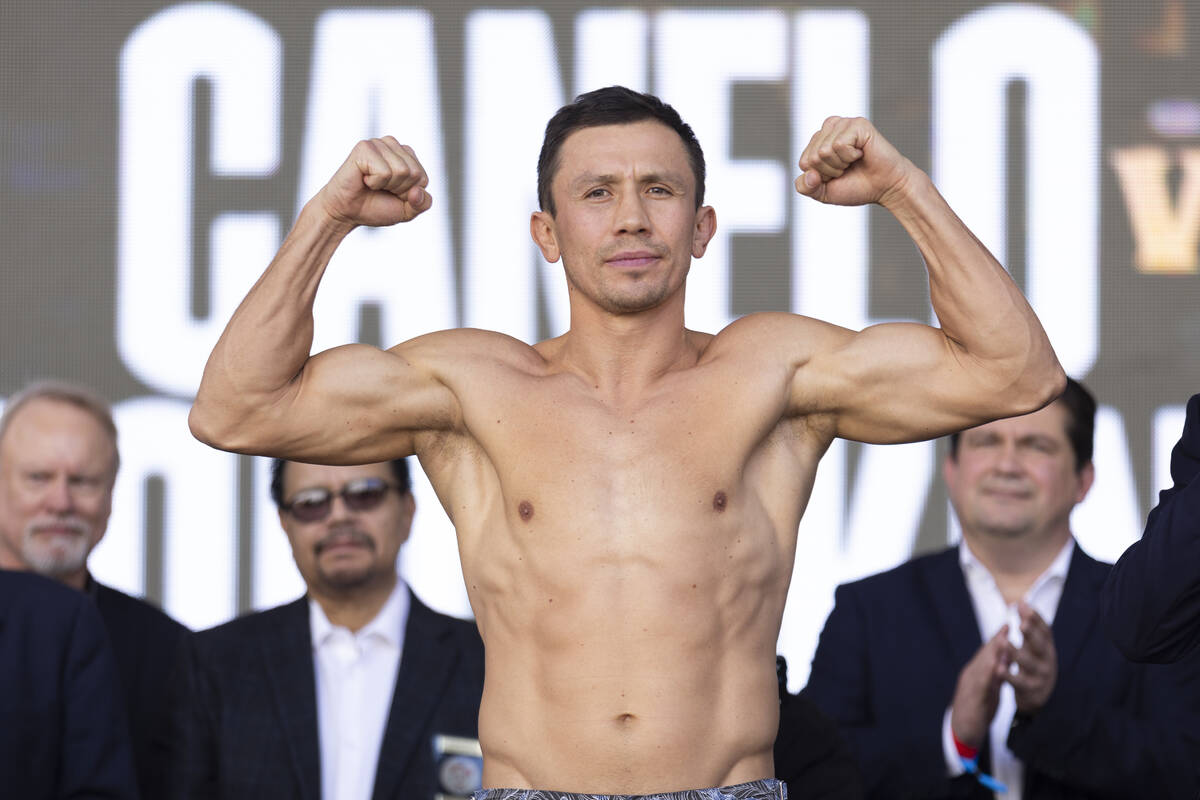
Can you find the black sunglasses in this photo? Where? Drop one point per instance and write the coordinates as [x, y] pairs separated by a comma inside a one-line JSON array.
[[314, 505]]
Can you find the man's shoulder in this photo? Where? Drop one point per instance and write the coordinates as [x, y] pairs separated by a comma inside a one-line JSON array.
[[118, 607], [255, 624], [770, 330], [471, 346], [917, 567], [905, 577], [22, 591]]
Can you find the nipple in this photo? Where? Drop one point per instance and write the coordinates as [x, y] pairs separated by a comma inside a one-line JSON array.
[[525, 509], [719, 501]]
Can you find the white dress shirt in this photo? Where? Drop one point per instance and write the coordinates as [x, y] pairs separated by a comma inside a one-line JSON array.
[[992, 612], [356, 677]]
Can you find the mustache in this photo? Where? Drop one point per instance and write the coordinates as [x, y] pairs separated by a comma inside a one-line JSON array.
[[73, 524], [344, 536]]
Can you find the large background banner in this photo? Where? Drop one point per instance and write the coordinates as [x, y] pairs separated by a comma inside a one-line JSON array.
[[152, 156]]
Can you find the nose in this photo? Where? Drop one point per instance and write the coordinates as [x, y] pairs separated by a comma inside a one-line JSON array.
[[1008, 459], [631, 214], [338, 510], [58, 498]]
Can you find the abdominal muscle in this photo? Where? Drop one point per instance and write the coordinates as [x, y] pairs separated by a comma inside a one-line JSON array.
[[610, 672]]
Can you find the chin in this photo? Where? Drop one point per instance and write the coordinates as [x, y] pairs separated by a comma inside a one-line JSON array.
[[343, 580]]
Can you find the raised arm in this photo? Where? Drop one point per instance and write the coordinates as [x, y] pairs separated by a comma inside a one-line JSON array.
[[900, 382], [262, 393]]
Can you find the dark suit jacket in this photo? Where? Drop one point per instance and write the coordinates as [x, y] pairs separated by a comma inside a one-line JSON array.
[[245, 721], [888, 661], [1151, 602], [62, 725], [144, 641], [811, 755]]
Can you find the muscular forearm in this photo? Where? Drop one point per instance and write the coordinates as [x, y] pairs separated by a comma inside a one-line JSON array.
[[982, 312], [267, 342]]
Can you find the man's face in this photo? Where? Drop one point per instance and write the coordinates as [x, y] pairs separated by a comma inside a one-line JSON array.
[[1016, 477], [626, 224], [57, 467], [346, 549]]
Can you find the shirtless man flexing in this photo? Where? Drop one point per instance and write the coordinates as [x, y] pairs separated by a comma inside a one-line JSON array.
[[626, 495]]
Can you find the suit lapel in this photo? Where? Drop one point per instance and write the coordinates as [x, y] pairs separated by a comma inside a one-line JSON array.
[[952, 607], [426, 665], [288, 656], [1077, 608]]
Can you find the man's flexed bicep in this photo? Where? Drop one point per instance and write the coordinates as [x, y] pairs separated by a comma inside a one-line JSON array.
[[263, 393], [350, 404], [900, 382], [990, 358]]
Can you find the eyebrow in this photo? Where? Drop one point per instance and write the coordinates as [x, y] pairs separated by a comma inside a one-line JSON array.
[[675, 179]]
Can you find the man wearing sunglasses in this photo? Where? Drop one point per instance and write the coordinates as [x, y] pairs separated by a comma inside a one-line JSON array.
[[357, 690], [626, 496]]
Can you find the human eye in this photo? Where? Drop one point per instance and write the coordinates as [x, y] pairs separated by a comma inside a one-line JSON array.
[[982, 440], [309, 498], [38, 477], [598, 193], [86, 483], [659, 191]]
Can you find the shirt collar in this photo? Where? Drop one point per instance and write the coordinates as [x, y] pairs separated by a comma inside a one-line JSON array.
[[387, 625], [974, 569]]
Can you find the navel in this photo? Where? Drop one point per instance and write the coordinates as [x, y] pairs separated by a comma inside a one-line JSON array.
[[719, 501], [525, 509]]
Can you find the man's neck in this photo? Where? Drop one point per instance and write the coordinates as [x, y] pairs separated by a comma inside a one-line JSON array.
[[355, 608], [1015, 564], [76, 580], [622, 354]]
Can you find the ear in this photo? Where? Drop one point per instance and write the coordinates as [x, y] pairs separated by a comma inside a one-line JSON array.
[[706, 227], [541, 228], [1087, 474], [949, 471], [408, 507]]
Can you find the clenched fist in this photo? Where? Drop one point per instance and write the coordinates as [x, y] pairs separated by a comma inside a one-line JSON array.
[[380, 183], [849, 163]]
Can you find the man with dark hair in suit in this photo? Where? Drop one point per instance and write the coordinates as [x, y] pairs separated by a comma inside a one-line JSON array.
[[355, 691], [985, 665], [58, 464], [62, 724], [1152, 598]]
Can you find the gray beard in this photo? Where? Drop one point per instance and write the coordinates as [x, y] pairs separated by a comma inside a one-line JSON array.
[[55, 561]]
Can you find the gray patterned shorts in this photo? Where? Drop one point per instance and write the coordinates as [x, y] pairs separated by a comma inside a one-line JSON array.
[[767, 789]]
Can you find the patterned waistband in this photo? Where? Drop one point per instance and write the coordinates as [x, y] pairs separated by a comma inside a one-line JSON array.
[[766, 789]]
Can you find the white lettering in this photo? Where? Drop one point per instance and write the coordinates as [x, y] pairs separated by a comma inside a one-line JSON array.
[[360, 92], [161, 62], [512, 88], [698, 57], [973, 64]]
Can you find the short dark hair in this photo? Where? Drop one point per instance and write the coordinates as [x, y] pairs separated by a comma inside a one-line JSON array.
[[399, 471], [612, 105], [1081, 422]]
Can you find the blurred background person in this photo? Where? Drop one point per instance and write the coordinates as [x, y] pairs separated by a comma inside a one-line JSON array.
[[58, 463], [1151, 602], [62, 724], [356, 691], [811, 755], [985, 664]]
